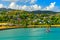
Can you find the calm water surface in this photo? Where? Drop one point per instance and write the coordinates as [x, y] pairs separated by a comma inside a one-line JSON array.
[[30, 34]]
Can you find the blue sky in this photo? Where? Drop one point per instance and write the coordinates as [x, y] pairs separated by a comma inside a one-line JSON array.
[[31, 5]]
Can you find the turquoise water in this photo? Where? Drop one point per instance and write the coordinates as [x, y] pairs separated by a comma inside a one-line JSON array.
[[30, 34]]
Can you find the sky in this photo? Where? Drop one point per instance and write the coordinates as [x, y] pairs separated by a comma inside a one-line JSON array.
[[31, 5]]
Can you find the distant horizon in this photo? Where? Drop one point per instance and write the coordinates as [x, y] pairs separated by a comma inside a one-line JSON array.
[[28, 11]]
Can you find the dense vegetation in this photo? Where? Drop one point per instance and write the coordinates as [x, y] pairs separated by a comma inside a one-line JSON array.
[[25, 18]]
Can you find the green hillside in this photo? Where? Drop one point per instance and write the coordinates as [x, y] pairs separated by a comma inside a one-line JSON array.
[[24, 18]]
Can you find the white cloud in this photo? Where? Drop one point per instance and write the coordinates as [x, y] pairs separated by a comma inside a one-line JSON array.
[[30, 8], [36, 7], [13, 6], [23, 1], [11, 0], [50, 7], [33, 1], [1, 6], [56, 9], [24, 7]]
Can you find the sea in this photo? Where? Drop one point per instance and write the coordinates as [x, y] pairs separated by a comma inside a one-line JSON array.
[[30, 34]]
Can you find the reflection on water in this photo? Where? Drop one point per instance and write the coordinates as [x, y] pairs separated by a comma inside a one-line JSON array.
[[30, 34]]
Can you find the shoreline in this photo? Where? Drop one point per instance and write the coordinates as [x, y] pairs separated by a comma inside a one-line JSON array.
[[44, 26], [29, 26]]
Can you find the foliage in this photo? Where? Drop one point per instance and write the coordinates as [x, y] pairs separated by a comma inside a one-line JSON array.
[[26, 18]]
